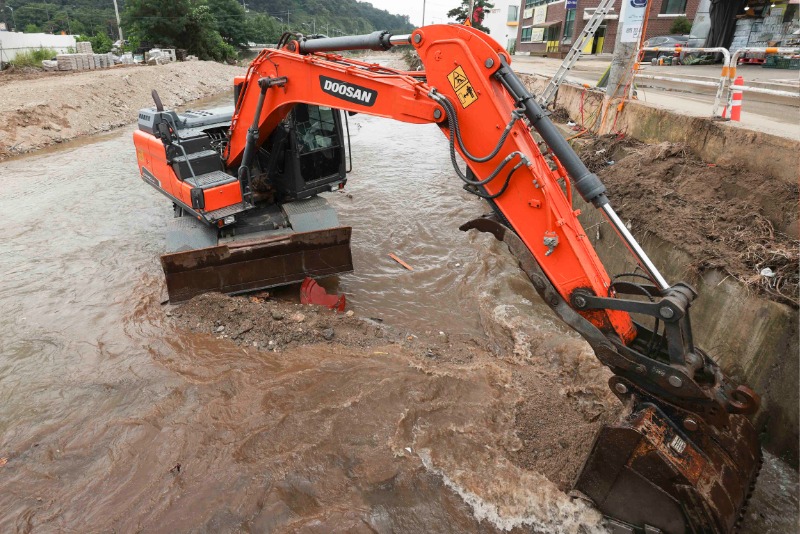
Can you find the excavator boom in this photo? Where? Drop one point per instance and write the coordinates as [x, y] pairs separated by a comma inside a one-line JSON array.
[[684, 458]]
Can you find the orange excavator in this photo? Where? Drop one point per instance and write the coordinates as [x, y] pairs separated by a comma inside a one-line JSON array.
[[246, 182]]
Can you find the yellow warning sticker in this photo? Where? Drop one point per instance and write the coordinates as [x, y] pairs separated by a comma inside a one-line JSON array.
[[464, 91], [466, 95]]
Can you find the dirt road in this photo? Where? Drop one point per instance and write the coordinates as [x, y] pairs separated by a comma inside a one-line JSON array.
[[39, 110]]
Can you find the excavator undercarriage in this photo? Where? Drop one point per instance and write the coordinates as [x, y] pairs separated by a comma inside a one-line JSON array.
[[245, 184]]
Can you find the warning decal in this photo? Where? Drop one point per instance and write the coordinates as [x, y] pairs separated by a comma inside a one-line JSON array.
[[464, 91]]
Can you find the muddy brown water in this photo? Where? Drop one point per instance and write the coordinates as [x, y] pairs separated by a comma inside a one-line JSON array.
[[112, 419]]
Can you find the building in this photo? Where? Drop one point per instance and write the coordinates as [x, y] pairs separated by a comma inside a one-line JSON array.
[[503, 22], [549, 28], [13, 43]]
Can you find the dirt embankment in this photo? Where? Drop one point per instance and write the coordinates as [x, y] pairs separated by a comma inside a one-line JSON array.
[[726, 218], [39, 110]]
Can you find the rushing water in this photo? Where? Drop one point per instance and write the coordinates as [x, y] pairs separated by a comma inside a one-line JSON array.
[[111, 419]]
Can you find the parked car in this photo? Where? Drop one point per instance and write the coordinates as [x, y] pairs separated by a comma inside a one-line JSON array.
[[668, 42]]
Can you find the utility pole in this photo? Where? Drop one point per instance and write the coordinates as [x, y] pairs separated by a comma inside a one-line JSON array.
[[470, 11], [631, 25], [423, 12], [119, 26]]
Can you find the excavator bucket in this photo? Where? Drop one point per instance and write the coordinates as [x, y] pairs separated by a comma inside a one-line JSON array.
[[681, 481], [253, 264]]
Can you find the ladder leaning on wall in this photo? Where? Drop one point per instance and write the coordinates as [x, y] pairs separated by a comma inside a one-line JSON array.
[[574, 53]]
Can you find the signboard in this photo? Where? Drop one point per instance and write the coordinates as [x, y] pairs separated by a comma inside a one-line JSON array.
[[572, 4], [631, 19], [539, 14], [464, 91], [527, 13], [537, 35]]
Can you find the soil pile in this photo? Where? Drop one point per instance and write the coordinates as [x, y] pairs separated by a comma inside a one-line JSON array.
[[725, 218], [563, 397], [42, 109]]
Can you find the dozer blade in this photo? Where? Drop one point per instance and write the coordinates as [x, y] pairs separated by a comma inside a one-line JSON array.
[[258, 263]]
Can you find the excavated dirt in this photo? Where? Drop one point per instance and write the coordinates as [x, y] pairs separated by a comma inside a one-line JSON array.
[[39, 109], [725, 218], [563, 398]]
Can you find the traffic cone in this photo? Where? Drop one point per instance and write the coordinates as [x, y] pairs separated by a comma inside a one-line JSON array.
[[736, 100]]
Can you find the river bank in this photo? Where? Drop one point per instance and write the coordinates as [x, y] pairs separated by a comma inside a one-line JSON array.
[[42, 109]]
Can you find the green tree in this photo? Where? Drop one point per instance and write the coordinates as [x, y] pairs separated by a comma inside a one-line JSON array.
[[32, 28], [154, 21], [681, 26], [480, 8], [262, 28], [187, 24], [101, 42], [201, 37], [230, 20]]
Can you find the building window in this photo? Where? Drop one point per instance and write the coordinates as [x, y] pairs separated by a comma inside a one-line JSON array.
[[526, 34], [534, 3], [673, 7], [552, 33], [513, 13], [569, 24]]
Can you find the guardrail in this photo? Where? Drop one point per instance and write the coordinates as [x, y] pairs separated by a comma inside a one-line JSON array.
[[726, 58], [734, 62], [728, 74]]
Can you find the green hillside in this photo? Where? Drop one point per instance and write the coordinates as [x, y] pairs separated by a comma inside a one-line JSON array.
[[208, 28]]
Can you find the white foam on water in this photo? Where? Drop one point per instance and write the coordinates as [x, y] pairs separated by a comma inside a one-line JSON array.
[[536, 502]]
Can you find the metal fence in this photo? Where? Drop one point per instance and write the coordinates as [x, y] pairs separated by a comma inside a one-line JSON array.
[[727, 76]]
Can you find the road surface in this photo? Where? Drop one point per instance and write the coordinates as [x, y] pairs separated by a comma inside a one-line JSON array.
[[767, 113]]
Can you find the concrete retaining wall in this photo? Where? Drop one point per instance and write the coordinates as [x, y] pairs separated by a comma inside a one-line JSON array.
[[754, 338], [13, 43]]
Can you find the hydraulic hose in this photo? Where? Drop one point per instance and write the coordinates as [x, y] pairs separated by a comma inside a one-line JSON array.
[[455, 134]]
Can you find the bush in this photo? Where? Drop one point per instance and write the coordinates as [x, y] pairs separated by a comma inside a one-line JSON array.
[[33, 58], [101, 43], [681, 26]]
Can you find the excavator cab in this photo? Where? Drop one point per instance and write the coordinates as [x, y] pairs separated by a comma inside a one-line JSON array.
[[306, 153]]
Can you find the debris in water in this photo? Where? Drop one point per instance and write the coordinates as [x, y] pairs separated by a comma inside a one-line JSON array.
[[313, 293], [766, 271], [401, 262], [176, 469], [3, 461]]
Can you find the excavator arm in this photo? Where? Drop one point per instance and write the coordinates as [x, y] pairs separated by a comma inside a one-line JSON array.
[[685, 457]]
